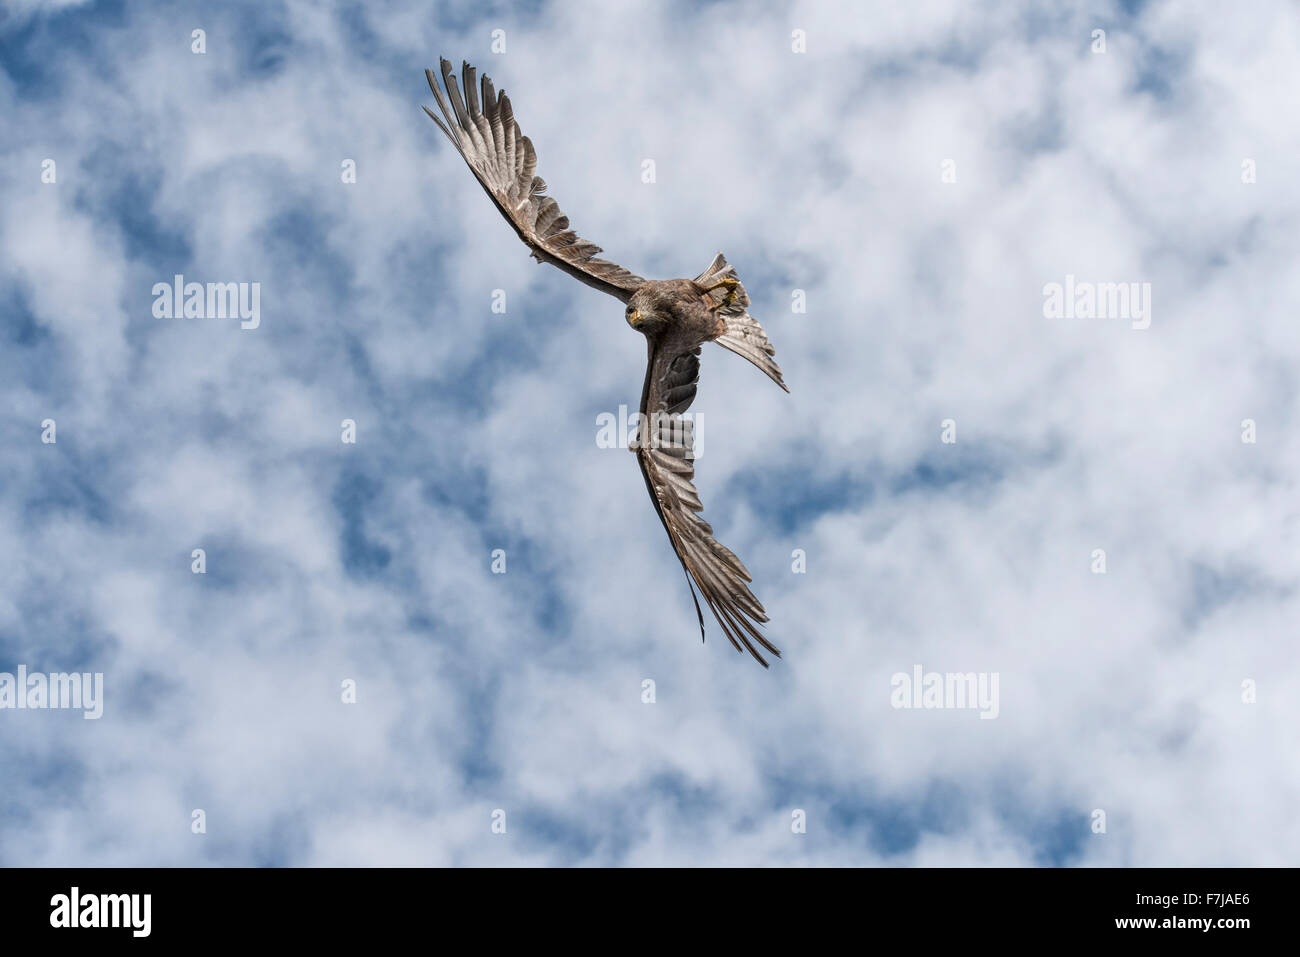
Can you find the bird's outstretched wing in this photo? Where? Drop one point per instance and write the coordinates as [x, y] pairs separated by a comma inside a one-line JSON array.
[[504, 162], [665, 451]]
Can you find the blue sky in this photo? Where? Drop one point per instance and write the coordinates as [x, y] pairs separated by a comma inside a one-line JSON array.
[[920, 175]]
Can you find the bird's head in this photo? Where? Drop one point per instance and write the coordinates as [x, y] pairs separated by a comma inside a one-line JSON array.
[[644, 314]]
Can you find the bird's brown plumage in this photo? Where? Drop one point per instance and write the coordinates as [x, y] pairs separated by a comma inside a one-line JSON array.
[[676, 316], [504, 161]]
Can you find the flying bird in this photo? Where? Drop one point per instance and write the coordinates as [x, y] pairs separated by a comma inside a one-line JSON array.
[[676, 316]]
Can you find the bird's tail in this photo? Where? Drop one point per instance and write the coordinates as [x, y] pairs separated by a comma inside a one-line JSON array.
[[744, 336]]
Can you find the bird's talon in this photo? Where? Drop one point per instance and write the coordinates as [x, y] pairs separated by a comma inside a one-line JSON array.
[[730, 284]]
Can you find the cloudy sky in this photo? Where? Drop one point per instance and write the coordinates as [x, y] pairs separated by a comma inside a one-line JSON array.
[[1101, 517]]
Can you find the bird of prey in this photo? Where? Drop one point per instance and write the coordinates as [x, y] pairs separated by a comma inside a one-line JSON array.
[[676, 316]]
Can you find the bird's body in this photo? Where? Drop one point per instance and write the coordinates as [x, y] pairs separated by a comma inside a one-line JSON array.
[[677, 316], [676, 312]]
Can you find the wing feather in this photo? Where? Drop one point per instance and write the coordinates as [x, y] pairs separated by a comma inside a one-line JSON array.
[[665, 451], [504, 161]]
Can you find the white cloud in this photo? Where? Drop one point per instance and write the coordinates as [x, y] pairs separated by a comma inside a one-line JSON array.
[[818, 171]]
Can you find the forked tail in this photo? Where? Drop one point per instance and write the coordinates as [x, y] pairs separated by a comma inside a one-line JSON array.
[[744, 336]]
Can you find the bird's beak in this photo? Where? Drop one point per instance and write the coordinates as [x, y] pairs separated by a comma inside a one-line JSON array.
[[635, 318]]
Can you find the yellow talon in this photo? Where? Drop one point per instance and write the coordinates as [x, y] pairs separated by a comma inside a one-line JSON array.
[[730, 284]]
